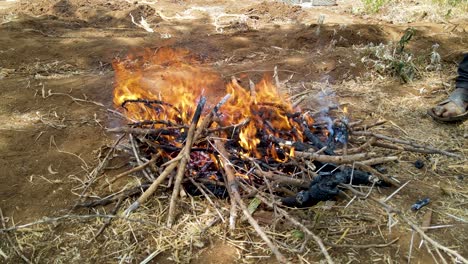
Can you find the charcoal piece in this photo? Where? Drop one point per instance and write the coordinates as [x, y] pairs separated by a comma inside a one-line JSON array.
[[338, 135], [356, 177], [293, 115], [302, 197], [343, 176], [299, 146], [324, 190], [291, 201], [315, 141], [219, 191], [324, 187], [320, 191], [232, 144], [419, 164]]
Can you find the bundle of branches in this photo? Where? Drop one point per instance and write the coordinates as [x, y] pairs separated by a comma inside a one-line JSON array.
[[250, 142], [297, 165]]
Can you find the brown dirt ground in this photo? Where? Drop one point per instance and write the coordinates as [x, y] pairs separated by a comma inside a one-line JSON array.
[[48, 142]]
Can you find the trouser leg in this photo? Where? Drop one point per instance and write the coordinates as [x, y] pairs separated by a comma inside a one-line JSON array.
[[462, 79]]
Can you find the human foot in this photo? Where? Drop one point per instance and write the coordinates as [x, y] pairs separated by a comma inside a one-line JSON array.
[[452, 109]]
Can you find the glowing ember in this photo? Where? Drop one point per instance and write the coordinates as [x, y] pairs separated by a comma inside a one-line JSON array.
[[166, 84]]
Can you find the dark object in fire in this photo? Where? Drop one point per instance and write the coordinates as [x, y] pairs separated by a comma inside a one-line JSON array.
[[218, 191], [419, 204], [325, 187], [419, 164], [340, 132], [317, 142]]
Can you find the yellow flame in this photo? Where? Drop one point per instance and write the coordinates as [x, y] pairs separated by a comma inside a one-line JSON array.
[[177, 79]]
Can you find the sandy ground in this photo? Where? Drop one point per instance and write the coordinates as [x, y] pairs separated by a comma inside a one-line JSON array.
[[56, 91]]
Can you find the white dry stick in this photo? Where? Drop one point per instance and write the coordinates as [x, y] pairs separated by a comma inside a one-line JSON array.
[[143, 24], [146, 173], [275, 75], [320, 21], [151, 256], [395, 192], [411, 246], [76, 100]]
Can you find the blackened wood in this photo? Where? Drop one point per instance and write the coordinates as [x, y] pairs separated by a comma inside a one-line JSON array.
[[314, 140]]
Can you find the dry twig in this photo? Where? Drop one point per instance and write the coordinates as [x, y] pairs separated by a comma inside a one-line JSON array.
[[107, 221], [47, 220], [415, 147], [335, 159], [133, 170], [361, 246], [413, 226], [10, 241], [183, 161], [234, 194], [285, 214]]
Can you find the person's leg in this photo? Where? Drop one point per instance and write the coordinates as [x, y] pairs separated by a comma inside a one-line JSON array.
[[462, 79], [457, 104]]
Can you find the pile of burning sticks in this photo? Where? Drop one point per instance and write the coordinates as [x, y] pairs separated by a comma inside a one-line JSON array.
[[248, 142]]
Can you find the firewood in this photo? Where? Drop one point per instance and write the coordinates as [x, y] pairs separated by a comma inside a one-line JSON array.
[[412, 146], [183, 161], [235, 196]]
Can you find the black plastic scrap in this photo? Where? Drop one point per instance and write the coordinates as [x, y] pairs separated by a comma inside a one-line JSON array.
[[419, 204], [325, 187]]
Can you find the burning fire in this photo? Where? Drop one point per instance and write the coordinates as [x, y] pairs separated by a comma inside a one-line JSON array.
[[173, 77], [166, 84]]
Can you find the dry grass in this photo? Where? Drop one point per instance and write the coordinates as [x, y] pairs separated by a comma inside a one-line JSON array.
[[348, 222], [404, 11]]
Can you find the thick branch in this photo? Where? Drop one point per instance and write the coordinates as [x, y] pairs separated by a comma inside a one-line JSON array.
[[184, 160], [380, 160], [429, 150], [334, 159], [235, 196], [145, 131], [282, 179]]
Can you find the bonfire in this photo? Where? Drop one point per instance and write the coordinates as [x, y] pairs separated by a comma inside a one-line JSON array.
[[195, 133]]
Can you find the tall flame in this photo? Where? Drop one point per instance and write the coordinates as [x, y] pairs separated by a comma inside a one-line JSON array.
[[168, 83], [172, 76]]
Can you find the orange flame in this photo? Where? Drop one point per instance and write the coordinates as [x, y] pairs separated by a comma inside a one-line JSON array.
[[172, 76], [173, 80]]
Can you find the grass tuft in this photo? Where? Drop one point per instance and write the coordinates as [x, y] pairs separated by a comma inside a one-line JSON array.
[[373, 6]]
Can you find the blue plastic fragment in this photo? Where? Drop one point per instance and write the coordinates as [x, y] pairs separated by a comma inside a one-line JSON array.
[[419, 204]]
